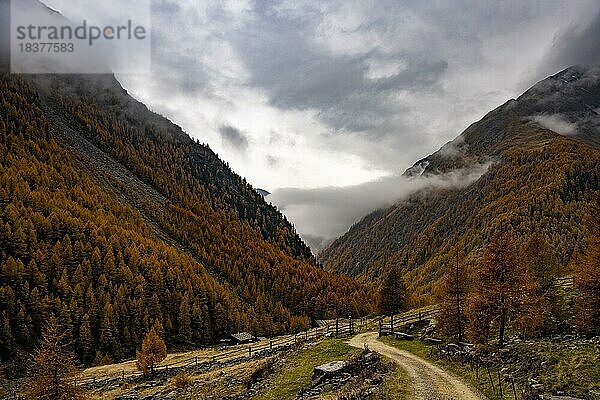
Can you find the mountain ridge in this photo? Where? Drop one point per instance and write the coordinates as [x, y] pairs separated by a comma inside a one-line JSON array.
[[422, 232], [115, 225]]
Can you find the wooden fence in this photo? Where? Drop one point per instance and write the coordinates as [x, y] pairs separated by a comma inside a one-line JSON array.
[[333, 328], [338, 327], [389, 325]]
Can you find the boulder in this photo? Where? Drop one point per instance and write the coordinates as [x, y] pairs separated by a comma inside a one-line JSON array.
[[329, 370]]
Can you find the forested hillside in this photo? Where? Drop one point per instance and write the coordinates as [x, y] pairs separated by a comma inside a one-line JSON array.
[[115, 221], [540, 181]]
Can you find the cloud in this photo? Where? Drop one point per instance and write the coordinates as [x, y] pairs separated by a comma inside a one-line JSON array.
[[343, 92], [323, 214], [577, 44], [272, 161], [234, 137], [556, 123], [454, 148]]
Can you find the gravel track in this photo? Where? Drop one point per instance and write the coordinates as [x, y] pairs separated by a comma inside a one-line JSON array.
[[429, 382]]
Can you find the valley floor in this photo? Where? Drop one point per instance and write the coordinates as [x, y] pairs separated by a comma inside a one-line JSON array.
[[399, 374]]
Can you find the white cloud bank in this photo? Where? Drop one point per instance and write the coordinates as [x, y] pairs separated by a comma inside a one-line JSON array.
[[556, 123], [323, 214]]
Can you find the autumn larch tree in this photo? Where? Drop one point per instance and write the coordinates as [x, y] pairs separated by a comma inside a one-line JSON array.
[[153, 352], [452, 318], [540, 303], [587, 276], [393, 295], [86, 340], [53, 374], [497, 290]]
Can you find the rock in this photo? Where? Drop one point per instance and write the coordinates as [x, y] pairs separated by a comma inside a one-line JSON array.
[[328, 370], [403, 336], [564, 398]]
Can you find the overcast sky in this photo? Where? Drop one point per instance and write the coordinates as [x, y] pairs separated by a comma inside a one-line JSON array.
[[311, 94]]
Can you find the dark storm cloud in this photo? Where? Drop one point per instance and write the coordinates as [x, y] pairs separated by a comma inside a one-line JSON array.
[[577, 45], [359, 88], [277, 49], [234, 137]]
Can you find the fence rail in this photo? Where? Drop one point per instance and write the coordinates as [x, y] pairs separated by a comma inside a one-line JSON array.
[[565, 282], [333, 328], [389, 325]]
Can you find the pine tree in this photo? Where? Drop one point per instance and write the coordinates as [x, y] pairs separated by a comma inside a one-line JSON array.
[[53, 374], [540, 303], [497, 290], [152, 353], [7, 340], [393, 296], [587, 277], [86, 340], [452, 318], [184, 320]]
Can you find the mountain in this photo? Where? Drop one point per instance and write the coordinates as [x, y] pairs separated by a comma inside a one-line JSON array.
[[545, 159], [262, 192], [114, 220]]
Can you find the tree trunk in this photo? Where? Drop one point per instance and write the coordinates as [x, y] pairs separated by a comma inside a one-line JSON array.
[[502, 328]]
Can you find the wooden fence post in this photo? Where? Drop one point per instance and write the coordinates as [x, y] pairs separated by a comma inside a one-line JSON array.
[[196, 361], [500, 383], [123, 374], [514, 390], [271, 344], [337, 327], [249, 351], [491, 380]]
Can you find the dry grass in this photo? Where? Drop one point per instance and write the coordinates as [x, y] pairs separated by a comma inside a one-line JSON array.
[[182, 380], [203, 354], [227, 382]]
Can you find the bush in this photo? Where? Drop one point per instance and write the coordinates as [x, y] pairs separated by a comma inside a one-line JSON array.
[[182, 380]]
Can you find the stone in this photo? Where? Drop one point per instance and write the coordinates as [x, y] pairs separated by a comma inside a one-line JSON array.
[[403, 336], [330, 369]]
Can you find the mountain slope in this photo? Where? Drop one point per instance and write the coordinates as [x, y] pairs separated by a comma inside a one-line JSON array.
[[539, 180], [114, 220]]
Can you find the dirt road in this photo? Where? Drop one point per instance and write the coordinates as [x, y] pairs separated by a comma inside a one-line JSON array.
[[428, 381]]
